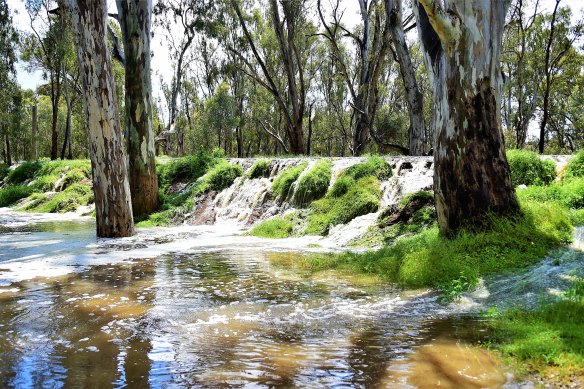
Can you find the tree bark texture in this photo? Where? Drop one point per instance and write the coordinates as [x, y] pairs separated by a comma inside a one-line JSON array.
[[462, 42], [113, 206], [135, 18], [35, 126]]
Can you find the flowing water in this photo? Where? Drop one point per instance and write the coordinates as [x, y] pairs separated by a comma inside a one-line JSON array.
[[219, 313]]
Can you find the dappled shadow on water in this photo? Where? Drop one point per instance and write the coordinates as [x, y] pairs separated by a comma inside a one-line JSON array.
[[212, 320]]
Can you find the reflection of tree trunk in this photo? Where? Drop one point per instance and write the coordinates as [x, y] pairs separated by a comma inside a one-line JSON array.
[[135, 20], [113, 205], [472, 176]]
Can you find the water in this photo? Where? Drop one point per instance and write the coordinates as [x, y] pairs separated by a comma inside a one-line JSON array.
[[217, 313]]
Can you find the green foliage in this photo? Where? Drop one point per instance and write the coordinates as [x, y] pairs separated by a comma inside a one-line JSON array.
[[575, 166], [186, 169], [282, 183], [313, 184], [430, 259], [23, 172], [261, 168], [453, 289], [374, 166], [360, 199], [568, 194], [219, 177], [278, 227], [527, 168], [68, 200], [548, 341], [13, 193], [4, 170], [419, 195]]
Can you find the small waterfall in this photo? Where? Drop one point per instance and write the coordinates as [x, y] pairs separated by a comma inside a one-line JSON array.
[[249, 201]]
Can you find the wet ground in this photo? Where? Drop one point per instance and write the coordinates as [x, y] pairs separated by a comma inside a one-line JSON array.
[[219, 317]]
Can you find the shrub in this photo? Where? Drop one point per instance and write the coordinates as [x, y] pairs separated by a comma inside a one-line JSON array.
[[185, 169], [261, 168], [575, 166], [13, 193], [282, 183], [313, 184], [527, 168], [23, 172], [220, 176]]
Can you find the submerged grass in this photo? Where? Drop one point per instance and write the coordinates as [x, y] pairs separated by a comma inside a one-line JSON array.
[[548, 341], [261, 168]]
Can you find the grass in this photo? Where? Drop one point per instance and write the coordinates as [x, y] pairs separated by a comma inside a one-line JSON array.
[[575, 166], [431, 260], [527, 168], [548, 341], [276, 228], [568, 193], [282, 183], [220, 175], [12, 194], [68, 200], [260, 169], [313, 184]]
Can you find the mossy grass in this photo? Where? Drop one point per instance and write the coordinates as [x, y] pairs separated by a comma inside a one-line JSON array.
[[419, 195], [260, 169], [549, 340], [275, 228], [13, 193], [428, 259], [575, 166], [220, 175], [282, 183], [527, 168], [313, 184], [185, 169], [67, 200]]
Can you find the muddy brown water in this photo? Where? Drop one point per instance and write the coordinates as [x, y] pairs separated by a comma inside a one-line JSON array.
[[232, 318]]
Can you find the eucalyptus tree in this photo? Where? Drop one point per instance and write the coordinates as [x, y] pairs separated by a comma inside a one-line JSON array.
[[293, 33], [113, 205], [135, 18], [9, 99], [462, 44]]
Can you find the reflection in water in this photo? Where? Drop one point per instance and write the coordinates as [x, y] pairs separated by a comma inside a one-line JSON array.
[[215, 320]]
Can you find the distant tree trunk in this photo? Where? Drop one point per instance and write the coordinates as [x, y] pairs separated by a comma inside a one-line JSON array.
[[55, 97], [462, 41], [135, 18], [113, 206], [8, 155], [35, 126], [414, 96], [67, 137]]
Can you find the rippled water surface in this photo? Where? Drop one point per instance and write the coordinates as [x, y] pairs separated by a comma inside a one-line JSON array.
[[228, 318]]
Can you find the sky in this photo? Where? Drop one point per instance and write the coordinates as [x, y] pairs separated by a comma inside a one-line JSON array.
[[161, 65]]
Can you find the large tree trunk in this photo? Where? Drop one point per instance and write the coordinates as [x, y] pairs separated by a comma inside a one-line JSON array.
[[463, 43], [113, 206], [55, 97], [8, 155], [135, 18], [414, 96]]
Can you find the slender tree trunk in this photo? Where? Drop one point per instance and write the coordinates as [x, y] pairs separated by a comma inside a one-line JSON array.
[[67, 138], [113, 206], [55, 97], [8, 155], [35, 126], [471, 171], [414, 96], [135, 20]]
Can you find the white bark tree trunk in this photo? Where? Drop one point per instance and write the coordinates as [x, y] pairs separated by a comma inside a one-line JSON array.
[[113, 205], [462, 44]]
